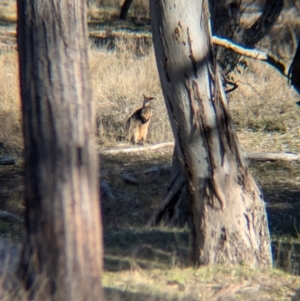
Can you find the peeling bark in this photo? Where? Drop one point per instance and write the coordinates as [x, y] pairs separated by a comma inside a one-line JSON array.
[[228, 213]]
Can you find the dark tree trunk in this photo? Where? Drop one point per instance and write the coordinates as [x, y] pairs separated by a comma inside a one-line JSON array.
[[226, 15], [261, 27], [125, 8], [229, 221], [63, 242]]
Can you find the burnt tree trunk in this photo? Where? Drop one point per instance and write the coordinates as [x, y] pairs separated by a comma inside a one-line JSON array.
[[125, 8], [63, 241], [229, 222]]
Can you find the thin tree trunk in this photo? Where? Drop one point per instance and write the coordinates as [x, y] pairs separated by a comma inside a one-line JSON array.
[[63, 241], [125, 8], [226, 23], [228, 213], [261, 27]]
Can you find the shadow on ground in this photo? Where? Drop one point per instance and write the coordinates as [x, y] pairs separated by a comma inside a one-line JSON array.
[[131, 245], [145, 248]]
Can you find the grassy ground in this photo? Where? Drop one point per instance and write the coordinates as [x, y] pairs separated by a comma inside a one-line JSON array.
[[142, 263]]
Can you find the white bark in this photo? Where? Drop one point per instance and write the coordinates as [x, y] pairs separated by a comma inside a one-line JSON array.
[[229, 215]]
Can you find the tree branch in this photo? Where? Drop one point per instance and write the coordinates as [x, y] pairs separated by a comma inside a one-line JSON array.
[[264, 23], [252, 53]]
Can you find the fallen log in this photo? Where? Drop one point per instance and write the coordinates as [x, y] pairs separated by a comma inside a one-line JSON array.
[[117, 151], [272, 156]]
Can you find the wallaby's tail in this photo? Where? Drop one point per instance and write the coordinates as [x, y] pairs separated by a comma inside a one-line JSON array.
[[128, 124], [128, 129]]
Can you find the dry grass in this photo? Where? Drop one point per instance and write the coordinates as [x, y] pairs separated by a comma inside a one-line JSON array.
[[263, 107], [264, 110], [207, 283], [8, 10], [119, 80], [155, 280], [101, 10], [174, 283], [264, 101], [214, 283], [93, 10], [10, 110]]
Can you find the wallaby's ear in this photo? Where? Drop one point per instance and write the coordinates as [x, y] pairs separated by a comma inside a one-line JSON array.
[[148, 98]]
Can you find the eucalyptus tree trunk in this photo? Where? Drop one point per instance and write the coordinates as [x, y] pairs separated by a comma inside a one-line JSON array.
[[229, 222], [63, 241]]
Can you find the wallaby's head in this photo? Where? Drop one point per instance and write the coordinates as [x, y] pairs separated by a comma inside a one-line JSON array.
[[147, 100]]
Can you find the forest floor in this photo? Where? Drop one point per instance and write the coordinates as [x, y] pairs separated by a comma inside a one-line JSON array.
[[143, 263]]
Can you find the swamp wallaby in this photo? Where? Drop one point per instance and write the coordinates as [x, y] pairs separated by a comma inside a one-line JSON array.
[[138, 122]]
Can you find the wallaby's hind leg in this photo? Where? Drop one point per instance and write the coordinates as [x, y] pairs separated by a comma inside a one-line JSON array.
[[131, 136], [129, 131], [135, 137], [144, 135], [138, 136]]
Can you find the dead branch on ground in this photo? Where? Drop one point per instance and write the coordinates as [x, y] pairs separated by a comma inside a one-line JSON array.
[[117, 151], [250, 155], [272, 156], [7, 161]]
